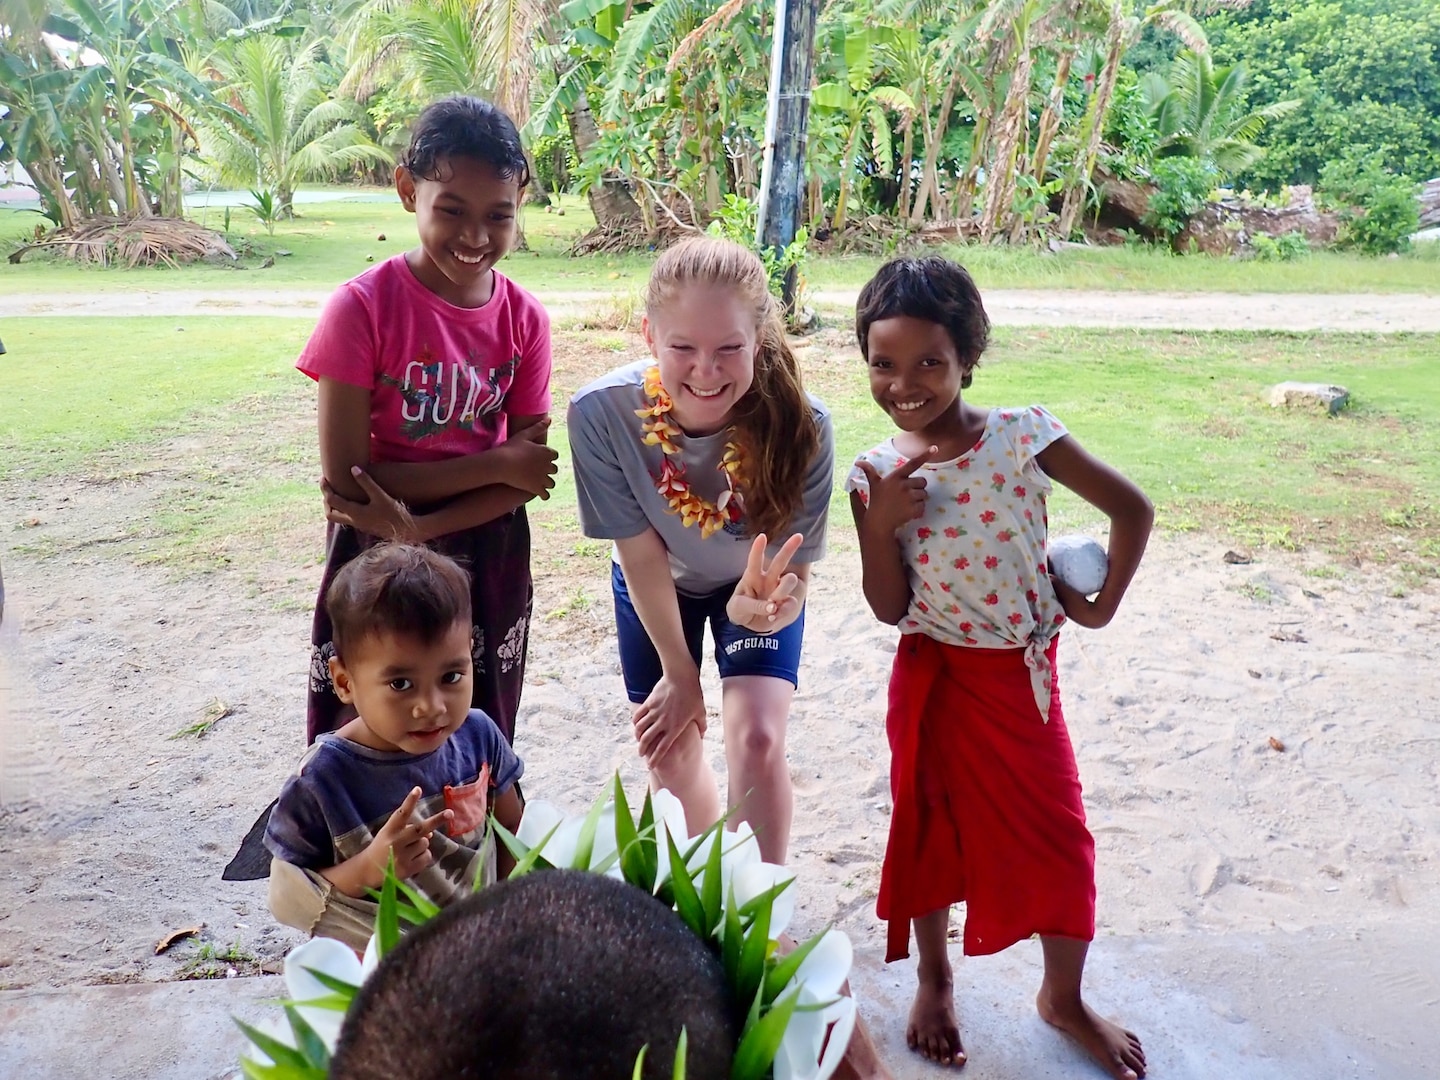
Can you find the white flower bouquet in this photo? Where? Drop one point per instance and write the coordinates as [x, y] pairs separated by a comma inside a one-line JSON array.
[[716, 882]]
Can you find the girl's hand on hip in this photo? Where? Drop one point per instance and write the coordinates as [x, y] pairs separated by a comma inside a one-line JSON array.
[[663, 716], [382, 516], [530, 465], [767, 598], [898, 497]]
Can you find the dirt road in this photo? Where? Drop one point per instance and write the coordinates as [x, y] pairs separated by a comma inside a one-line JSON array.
[[1382, 313]]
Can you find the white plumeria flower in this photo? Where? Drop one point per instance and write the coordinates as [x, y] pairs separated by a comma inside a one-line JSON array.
[[752, 879], [540, 817], [329, 957], [818, 982]]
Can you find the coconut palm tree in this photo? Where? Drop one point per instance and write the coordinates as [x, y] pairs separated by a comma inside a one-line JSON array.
[[1197, 111], [283, 127]]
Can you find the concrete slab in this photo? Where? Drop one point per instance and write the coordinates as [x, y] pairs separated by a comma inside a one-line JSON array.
[[134, 1031], [1315, 1005]]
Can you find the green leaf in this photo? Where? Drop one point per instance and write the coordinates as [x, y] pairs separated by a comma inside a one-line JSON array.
[[712, 900], [687, 900], [733, 941], [278, 1052], [765, 900], [783, 971], [753, 953], [330, 982], [330, 1002], [649, 851], [526, 859], [636, 863], [421, 902], [387, 922], [311, 1045], [585, 843], [577, 11], [761, 1041], [681, 1046], [640, 1062]]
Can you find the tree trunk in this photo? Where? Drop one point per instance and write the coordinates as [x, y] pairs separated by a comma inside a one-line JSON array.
[[846, 164], [1094, 125], [907, 162], [1000, 183], [1050, 119], [611, 203], [930, 177]]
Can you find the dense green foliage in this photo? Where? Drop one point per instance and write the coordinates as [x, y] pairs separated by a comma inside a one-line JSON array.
[[1001, 116], [1366, 74]]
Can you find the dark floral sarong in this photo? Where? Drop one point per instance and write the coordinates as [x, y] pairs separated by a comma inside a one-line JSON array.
[[497, 556]]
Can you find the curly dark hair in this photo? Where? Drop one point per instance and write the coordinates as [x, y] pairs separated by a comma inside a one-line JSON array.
[[468, 127], [935, 289]]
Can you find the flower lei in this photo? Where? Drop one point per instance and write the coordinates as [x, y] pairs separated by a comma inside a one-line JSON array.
[[717, 883], [672, 485]]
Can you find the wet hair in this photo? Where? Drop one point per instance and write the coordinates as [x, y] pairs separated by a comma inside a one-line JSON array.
[[467, 127], [557, 975], [774, 424], [397, 589], [934, 289]]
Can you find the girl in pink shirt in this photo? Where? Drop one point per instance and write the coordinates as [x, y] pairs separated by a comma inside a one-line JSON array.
[[434, 395]]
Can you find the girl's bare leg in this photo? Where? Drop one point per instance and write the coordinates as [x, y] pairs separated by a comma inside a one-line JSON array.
[[756, 709], [687, 775], [1118, 1051], [933, 1031]]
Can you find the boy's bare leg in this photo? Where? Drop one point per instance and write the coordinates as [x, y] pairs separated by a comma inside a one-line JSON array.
[[1118, 1051], [933, 1031]]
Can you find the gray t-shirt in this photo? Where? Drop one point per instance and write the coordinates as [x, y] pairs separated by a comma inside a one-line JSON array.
[[615, 479]]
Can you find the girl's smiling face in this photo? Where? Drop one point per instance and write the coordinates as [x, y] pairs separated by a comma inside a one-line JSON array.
[[915, 372], [466, 221], [706, 341]]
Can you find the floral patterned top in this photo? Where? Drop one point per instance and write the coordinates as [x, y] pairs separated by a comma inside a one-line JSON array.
[[976, 559]]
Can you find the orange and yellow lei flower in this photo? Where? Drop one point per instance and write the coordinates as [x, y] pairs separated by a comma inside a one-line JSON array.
[[672, 485]]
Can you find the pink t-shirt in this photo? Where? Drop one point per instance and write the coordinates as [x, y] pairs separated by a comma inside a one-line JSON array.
[[443, 378]]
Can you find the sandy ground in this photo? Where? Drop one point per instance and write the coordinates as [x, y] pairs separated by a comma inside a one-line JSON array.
[[1007, 307], [1229, 868]]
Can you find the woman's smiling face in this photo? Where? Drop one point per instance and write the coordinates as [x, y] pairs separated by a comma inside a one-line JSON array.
[[706, 341]]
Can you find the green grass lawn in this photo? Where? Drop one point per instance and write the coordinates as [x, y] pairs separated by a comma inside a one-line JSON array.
[[331, 242], [217, 407]]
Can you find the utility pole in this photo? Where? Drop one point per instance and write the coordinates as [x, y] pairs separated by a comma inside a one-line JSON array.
[[787, 117]]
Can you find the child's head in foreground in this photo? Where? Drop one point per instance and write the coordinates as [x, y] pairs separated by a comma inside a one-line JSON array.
[[462, 176], [401, 617], [558, 975], [922, 313]]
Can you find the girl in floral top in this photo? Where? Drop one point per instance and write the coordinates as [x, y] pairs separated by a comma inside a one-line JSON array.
[[952, 523]]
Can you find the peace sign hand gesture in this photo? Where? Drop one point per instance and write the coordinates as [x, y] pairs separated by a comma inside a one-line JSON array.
[[898, 497], [768, 598]]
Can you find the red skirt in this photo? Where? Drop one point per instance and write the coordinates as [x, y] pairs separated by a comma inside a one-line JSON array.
[[987, 802]]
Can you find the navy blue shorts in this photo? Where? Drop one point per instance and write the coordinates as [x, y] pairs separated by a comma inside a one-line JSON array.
[[737, 651]]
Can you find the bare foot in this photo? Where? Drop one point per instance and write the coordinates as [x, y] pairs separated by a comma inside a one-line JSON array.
[[1118, 1051], [933, 1032]]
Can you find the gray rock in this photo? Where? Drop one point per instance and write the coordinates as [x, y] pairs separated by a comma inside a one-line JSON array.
[[1292, 394]]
